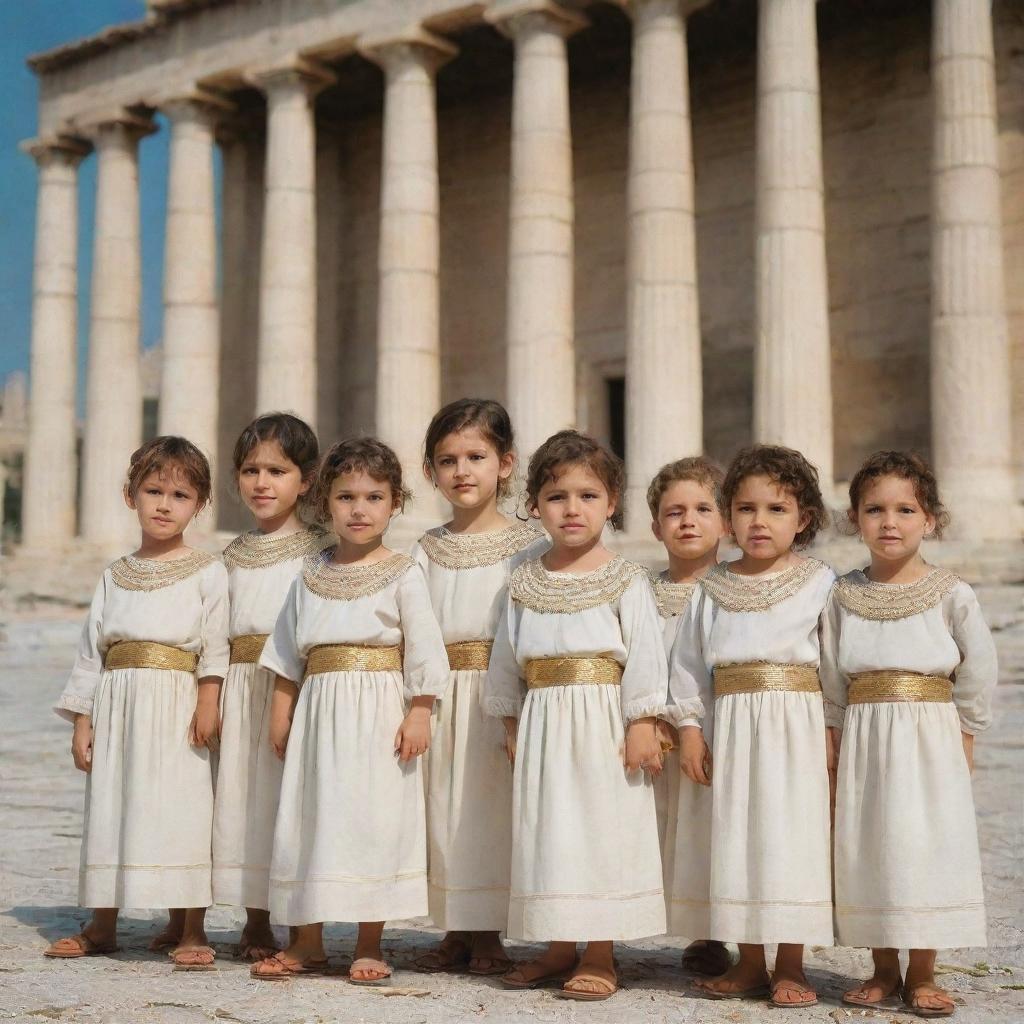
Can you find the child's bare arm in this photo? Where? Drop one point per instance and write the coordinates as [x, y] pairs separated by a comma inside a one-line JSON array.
[[511, 735], [81, 743], [643, 751], [282, 707], [968, 739], [694, 755], [205, 730], [413, 736]]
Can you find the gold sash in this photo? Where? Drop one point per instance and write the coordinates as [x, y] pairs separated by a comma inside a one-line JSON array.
[[572, 672], [147, 654], [353, 658], [246, 649], [888, 686], [469, 655], [765, 677]]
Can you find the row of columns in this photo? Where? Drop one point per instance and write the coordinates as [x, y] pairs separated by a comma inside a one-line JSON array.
[[792, 391]]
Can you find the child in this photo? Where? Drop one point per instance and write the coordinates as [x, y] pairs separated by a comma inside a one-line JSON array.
[[916, 664], [580, 640], [358, 635], [275, 462], [143, 699], [685, 500], [753, 631], [469, 455]]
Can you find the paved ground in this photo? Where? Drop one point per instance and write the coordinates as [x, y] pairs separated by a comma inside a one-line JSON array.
[[40, 828]]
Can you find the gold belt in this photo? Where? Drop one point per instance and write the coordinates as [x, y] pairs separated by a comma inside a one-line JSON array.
[[353, 658], [147, 654], [469, 655], [888, 686], [572, 672], [765, 677], [246, 649]]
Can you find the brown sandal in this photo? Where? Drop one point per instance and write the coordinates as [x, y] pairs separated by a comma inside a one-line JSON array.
[[910, 998], [451, 956], [279, 968], [852, 999], [77, 946], [194, 958], [590, 974], [368, 963], [550, 978], [793, 986]]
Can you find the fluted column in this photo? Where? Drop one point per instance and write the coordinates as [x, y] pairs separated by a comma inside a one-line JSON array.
[[113, 401], [541, 350], [792, 357], [286, 378], [664, 416], [48, 506], [970, 364], [408, 311]]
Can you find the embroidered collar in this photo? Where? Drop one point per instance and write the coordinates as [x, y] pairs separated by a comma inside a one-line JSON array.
[[540, 590], [348, 582], [131, 573], [736, 593], [472, 550], [254, 550], [885, 602], [671, 598]]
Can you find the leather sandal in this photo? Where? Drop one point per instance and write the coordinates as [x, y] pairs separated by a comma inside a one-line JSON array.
[[851, 998], [910, 998], [590, 974], [73, 947], [368, 963], [550, 978], [798, 986], [452, 955], [282, 968], [194, 958]]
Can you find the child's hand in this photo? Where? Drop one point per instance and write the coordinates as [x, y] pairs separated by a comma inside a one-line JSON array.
[[413, 736], [694, 755], [280, 727], [643, 751], [205, 728], [668, 737], [968, 750], [511, 735], [81, 743], [833, 739], [282, 707]]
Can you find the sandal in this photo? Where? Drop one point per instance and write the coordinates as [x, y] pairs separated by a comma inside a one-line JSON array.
[[851, 998], [368, 963], [280, 968], [453, 954], [793, 986], [609, 978], [498, 965], [910, 997], [194, 958], [707, 957], [162, 942], [254, 951], [72, 947], [548, 978]]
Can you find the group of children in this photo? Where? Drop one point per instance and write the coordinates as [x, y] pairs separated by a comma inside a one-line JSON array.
[[612, 755]]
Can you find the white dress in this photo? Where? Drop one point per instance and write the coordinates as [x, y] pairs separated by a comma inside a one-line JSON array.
[[260, 571], [908, 873], [149, 796], [585, 858], [469, 779], [770, 835], [350, 839]]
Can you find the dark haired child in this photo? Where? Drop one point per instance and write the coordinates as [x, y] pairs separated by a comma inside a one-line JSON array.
[[275, 464], [685, 499], [915, 663], [469, 456], [359, 661], [578, 674], [748, 649], [143, 699]]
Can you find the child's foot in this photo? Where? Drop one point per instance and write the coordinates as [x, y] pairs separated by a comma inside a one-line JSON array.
[[555, 965], [791, 989], [488, 955], [86, 943], [368, 965], [453, 954], [257, 942], [167, 938], [193, 952], [926, 999], [879, 987], [741, 981], [591, 982], [706, 956], [298, 958]]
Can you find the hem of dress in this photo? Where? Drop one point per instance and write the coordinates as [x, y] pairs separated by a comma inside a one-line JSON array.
[[586, 918], [393, 899], [145, 888], [776, 921], [689, 919], [242, 887], [939, 928], [468, 910]]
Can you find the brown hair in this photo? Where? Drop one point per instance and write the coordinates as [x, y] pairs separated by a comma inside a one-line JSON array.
[[358, 454], [787, 469], [907, 466], [294, 437], [570, 448], [489, 417], [167, 453], [702, 471]]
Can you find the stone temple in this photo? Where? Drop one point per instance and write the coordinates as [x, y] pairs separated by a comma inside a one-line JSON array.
[[681, 225]]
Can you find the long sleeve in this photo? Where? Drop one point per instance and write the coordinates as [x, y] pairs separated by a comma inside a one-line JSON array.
[[504, 688], [215, 652], [834, 685], [424, 661], [690, 687], [88, 668], [281, 653], [976, 677], [644, 690]]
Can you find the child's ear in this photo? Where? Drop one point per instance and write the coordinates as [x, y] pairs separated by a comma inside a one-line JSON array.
[[306, 485], [656, 530], [129, 499], [929, 525], [804, 522], [506, 464]]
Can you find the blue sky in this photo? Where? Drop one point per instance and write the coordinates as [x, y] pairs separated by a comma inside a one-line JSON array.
[[27, 26]]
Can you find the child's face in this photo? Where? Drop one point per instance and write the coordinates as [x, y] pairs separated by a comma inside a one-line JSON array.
[[165, 503], [467, 468], [361, 507], [574, 507], [689, 523], [891, 519], [765, 518], [269, 482]]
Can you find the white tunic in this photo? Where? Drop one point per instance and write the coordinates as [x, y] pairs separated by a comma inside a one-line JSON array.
[[908, 873], [469, 779], [585, 858], [770, 877], [350, 839], [149, 796], [260, 571]]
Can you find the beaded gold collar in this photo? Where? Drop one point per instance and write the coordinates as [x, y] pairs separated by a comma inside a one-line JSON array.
[[253, 550], [671, 598], [472, 550], [131, 573], [737, 593], [347, 582], [540, 590], [886, 602]]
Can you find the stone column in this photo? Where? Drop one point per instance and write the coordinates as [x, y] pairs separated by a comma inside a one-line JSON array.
[[664, 395], [113, 402], [48, 506], [408, 303], [792, 356], [541, 351], [970, 365], [286, 378]]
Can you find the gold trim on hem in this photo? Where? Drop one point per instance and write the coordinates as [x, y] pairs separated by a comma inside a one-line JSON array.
[[469, 655], [765, 677], [542, 672], [148, 654], [890, 686], [353, 658], [247, 648]]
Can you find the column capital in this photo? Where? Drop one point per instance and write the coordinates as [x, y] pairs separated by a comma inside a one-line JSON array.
[[685, 7], [197, 104], [411, 45], [67, 149], [115, 125], [514, 16], [296, 72]]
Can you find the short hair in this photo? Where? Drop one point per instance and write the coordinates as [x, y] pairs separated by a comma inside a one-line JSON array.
[[698, 468], [489, 417], [570, 448], [907, 466], [166, 453], [353, 455], [787, 469], [295, 438]]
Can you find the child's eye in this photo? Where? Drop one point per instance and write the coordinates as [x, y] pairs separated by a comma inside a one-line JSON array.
[[705, 508], [907, 510]]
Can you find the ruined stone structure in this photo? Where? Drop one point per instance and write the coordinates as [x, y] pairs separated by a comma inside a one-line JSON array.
[[682, 224]]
